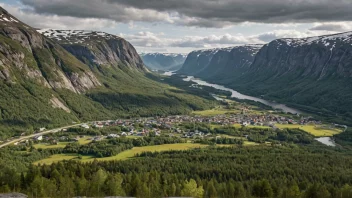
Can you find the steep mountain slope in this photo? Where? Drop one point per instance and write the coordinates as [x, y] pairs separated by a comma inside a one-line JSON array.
[[220, 65], [196, 61], [163, 61], [44, 85], [97, 49], [26, 52], [315, 72]]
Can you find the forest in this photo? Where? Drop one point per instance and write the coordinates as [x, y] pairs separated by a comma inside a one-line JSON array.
[[292, 166], [280, 171]]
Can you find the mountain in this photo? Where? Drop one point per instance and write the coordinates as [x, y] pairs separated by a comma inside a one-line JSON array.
[[315, 73], [26, 52], [220, 65], [60, 77], [163, 61], [97, 49]]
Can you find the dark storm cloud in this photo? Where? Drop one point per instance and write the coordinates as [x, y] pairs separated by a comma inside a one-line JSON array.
[[204, 13]]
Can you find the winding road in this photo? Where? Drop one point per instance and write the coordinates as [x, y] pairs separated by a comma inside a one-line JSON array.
[[37, 134]]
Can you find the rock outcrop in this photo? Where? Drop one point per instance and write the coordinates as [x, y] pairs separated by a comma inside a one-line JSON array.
[[26, 54]]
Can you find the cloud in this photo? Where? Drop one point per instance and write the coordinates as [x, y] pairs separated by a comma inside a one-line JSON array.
[[200, 13], [57, 22], [151, 40], [277, 34], [337, 27], [100, 9]]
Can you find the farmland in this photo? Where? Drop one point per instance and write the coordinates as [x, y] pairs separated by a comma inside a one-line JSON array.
[[316, 130], [123, 155]]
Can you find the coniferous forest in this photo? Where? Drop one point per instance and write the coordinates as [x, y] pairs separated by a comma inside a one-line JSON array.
[[281, 170]]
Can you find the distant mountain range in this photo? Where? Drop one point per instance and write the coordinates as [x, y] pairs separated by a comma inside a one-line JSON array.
[[224, 63], [313, 73], [163, 61]]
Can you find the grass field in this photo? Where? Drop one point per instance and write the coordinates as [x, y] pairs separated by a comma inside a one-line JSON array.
[[251, 126], [48, 146], [82, 141], [247, 143], [56, 158], [123, 155], [318, 131], [213, 112], [85, 140]]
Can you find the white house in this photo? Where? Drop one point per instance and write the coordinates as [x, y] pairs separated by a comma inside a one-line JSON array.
[[85, 126], [98, 126], [39, 138], [113, 136]]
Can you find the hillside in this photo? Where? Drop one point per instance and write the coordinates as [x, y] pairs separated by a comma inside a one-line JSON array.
[[35, 74], [314, 73], [163, 61], [45, 83], [220, 65]]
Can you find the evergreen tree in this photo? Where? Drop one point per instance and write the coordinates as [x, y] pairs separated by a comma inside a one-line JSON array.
[[113, 185]]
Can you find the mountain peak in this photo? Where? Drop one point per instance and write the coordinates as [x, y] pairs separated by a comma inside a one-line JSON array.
[[96, 48], [325, 39], [76, 36], [5, 17]]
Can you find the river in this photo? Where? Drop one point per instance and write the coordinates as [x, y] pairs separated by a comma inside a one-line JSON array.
[[236, 94]]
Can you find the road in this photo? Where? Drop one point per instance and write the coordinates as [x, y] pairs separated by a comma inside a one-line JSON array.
[[37, 134]]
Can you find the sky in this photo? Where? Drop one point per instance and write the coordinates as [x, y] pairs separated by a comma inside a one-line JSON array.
[[181, 26]]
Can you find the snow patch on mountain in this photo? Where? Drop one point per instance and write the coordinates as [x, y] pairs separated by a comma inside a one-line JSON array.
[[326, 40], [75, 36], [7, 18]]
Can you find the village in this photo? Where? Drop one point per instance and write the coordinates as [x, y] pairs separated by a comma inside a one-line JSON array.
[[172, 125]]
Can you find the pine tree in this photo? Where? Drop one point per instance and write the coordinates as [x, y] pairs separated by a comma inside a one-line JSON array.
[[211, 191], [113, 186]]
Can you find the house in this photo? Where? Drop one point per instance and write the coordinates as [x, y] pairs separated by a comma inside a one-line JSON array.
[[98, 126], [38, 138], [113, 136], [124, 134], [85, 126]]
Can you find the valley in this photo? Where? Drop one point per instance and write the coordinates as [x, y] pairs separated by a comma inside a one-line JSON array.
[[130, 113], [309, 74]]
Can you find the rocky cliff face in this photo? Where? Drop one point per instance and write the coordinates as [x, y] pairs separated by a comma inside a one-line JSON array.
[[314, 73], [220, 64], [26, 54], [197, 61], [97, 49], [163, 61], [318, 58]]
